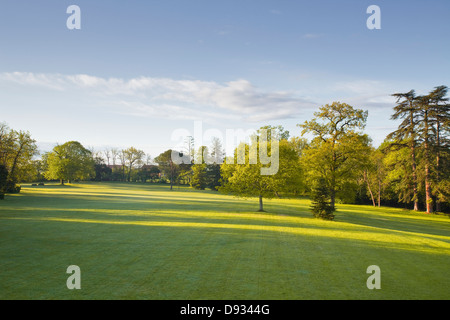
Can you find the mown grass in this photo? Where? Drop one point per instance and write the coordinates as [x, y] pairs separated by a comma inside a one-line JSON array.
[[135, 241]]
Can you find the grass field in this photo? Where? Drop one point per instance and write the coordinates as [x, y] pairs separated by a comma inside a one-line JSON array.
[[135, 241]]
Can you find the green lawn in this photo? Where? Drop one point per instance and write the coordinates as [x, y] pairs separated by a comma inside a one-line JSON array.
[[135, 241]]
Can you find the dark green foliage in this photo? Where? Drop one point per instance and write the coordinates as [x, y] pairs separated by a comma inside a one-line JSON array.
[[205, 176], [3, 179], [69, 162], [169, 168], [102, 172], [11, 187], [321, 204], [148, 173], [214, 176], [199, 178]]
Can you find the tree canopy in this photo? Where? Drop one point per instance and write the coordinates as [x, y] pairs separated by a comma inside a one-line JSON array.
[[169, 165], [411, 167], [336, 147], [244, 179], [69, 161], [17, 150]]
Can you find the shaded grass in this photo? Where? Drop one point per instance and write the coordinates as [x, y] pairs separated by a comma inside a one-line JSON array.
[[135, 241]]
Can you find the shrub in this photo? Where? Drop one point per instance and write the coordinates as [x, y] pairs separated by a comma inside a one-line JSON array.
[[321, 206], [11, 187]]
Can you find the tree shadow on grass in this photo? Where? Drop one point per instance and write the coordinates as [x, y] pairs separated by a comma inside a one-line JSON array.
[[401, 221], [182, 207]]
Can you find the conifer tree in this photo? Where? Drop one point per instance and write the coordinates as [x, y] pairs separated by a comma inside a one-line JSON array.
[[407, 110], [321, 204]]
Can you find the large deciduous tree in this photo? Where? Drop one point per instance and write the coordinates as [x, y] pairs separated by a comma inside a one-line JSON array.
[[336, 147], [132, 156], [374, 174], [69, 161], [244, 178], [17, 150], [167, 162]]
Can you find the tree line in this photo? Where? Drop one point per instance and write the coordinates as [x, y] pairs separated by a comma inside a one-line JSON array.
[[339, 162], [333, 160]]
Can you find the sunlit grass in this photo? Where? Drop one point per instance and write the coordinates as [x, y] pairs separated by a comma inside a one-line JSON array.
[[145, 241]]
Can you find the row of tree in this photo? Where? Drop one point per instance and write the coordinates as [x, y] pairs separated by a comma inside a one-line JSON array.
[[424, 131], [410, 167], [72, 161]]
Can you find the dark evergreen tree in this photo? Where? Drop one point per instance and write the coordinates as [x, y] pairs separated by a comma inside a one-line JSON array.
[[321, 203], [406, 135], [440, 119]]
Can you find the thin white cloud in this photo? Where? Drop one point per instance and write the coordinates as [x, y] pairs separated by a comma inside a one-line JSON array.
[[312, 35], [174, 99], [32, 79], [369, 93]]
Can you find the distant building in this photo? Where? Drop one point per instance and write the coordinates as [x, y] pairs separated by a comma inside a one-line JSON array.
[[114, 166]]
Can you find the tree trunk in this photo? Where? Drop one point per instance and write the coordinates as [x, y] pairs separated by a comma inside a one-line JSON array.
[[332, 199], [414, 175], [413, 158], [370, 189], [62, 181], [13, 168], [129, 174], [333, 192], [260, 204], [379, 193], [333, 180], [438, 205], [438, 178], [428, 196]]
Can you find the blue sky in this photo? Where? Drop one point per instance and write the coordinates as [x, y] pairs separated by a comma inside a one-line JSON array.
[[139, 70]]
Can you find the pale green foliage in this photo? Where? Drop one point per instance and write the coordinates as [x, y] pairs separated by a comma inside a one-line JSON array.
[[279, 132], [17, 150], [199, 179], [206, 170], [374, 174], [168, 167], [399, 173], [337, 148], [246, 180], [132, 156], [69, 161]]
